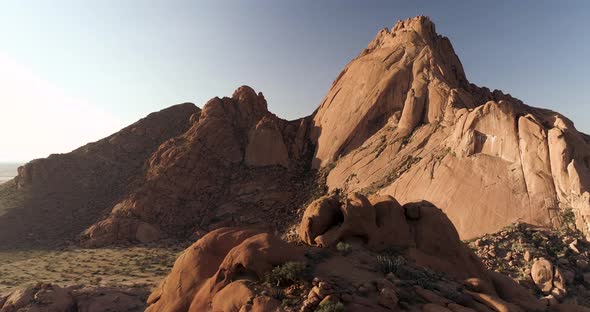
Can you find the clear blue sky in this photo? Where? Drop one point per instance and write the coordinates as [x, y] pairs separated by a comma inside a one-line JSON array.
[[112, 62]]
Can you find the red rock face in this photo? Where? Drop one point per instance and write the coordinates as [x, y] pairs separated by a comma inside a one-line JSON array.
[[401, 120]]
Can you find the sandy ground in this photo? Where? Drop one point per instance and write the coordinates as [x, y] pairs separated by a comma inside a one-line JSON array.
[[130, 266]]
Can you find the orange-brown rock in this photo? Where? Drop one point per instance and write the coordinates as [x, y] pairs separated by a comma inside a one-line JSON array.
[[402, 120], [42, 297], [318, 217], [235, 162], [52, 298], [495, 303], [431, 240], [98, 299], [263, 304], [510, 291], [214, 272]]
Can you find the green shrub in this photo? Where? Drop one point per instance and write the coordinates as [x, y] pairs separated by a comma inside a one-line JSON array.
[[537, 238], [330, 306], [344, 248], [286, 274], [569, 220]]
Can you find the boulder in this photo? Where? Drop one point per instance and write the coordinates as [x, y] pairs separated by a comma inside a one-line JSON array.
[[97, 299], [227, 257], [388, 298], [318, 218], [53, 298], [542, 274], [494, 302], [383, 226], [41, 297], [509, 290], [263, 304], [232, 297]]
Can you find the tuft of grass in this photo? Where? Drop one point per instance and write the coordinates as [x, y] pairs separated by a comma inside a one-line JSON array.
[[344, 248], [388, 264], [286, 274], [330, 306]]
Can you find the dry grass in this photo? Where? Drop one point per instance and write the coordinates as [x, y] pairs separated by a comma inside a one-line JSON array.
[[129, 266]]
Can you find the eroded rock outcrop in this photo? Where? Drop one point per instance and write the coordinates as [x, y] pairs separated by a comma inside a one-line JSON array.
[[402, 120], [234, 163], [213, 274], [234, 269], [421, 229], [53, 298]]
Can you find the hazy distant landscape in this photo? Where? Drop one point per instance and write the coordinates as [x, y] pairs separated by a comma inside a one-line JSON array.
[[8, 171]]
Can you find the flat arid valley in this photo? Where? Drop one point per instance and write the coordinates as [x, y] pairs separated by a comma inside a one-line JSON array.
[[407, 187]]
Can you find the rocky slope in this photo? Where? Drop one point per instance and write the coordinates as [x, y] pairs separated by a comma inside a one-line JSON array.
[[552, 264], [54, 199], [236, 164]]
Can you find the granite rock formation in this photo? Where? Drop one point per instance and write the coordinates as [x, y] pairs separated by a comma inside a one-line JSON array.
[[232, 165], [400, 120]]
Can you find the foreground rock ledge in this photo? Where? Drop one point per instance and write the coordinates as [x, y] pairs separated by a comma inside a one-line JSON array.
[[426, 268]]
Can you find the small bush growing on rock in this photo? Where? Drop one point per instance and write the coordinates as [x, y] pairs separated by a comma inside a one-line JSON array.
[[330, 306], [537, 238], [390, 264], [344, 248], [569, 220], [277, 293], [286, 274]]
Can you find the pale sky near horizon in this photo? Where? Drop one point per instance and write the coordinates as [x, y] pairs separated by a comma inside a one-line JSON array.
[[75, 71]]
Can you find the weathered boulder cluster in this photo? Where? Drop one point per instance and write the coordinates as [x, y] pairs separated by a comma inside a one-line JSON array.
[[551, 264], [229, 269], [217, 271], [52, 298], [235, 164], [382, 223]]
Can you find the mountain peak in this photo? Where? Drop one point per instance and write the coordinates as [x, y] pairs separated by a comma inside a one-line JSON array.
[[397, 75], [247, 95], [420, 24]]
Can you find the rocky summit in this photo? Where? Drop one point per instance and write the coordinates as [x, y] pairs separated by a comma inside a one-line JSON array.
[[361, 206]]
